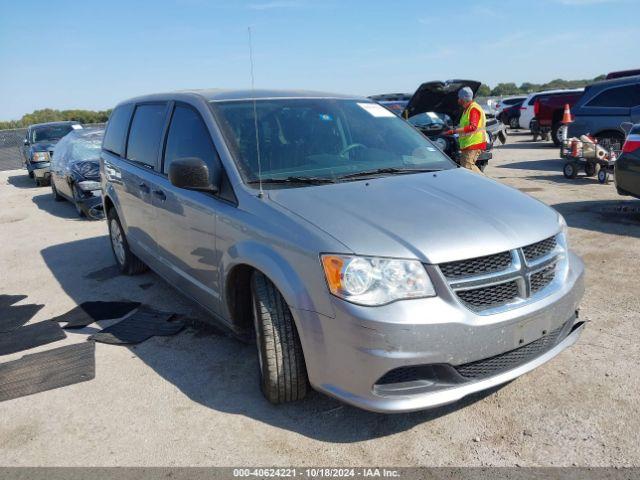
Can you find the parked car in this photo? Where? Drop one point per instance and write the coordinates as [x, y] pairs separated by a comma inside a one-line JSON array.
[[627, 170], [548, 110], [510, 115], [366, 263], [75, 171], [603, 108], [527, 113], [38, 146], [505, 103], [433, 109]]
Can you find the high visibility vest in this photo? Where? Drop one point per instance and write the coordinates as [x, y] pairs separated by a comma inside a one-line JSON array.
[[480, 135]]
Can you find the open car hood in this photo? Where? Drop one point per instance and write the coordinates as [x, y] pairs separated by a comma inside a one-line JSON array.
[[439, 97]]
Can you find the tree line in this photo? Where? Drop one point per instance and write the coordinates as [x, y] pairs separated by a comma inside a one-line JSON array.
[[51, 115], [511, 88]]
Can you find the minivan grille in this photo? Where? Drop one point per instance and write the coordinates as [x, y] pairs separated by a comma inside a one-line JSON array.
[[476, 266], [506, 278], [491, 296], [542, 278], [539, 249]]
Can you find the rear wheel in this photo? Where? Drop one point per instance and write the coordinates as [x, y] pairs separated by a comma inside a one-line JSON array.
[[570, 170], [514, 124], [556, 134], [591, 169], [283, 373], [128, 263], [603, 176]]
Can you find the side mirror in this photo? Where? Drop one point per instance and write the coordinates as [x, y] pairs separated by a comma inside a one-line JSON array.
[[626, 127], [192, 173]]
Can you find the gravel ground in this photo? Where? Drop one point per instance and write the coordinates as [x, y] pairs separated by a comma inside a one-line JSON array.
[[193, 399]]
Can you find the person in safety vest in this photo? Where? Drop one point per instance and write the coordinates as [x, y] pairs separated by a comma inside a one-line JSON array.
[[472, 130]]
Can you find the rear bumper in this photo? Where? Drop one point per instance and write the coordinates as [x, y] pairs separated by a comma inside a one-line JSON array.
[[347, 356], [42, 173]]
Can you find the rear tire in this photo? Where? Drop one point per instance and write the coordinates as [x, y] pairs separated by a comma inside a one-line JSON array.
[[283, 373], [603, 177], [126, 260], [514, 124], [591, 169]]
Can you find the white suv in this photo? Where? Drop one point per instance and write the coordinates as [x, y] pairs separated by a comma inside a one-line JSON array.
[[526, 109]]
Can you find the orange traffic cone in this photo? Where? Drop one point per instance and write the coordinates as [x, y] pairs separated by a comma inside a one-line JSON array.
[[566, 116]]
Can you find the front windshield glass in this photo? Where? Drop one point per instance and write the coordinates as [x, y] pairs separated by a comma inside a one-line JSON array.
[[53, 132], [427, 119], [86, 149], [322, 138]]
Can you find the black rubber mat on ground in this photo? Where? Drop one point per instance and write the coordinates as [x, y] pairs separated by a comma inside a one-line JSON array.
[[15, 316], [43, 371], [30, 336], [89, 312], [140, 326]]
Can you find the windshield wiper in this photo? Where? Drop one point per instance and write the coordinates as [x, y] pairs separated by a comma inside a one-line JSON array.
[[382, 171], [290, 180]]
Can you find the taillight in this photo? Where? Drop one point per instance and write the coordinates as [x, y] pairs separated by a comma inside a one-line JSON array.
[[536, 108], [632, 144]]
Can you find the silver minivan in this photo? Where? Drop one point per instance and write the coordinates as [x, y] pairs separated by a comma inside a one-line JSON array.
[[367, 265]]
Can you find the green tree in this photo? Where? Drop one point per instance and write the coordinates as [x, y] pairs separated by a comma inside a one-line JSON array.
[[484, 90], [505, 89]]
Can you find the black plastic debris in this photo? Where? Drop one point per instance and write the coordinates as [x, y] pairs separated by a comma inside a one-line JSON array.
[[89, 312], [14, 316], [138, 327], [30, 336], [43, 371]]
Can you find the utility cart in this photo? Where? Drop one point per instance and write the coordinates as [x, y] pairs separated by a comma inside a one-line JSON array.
[[585, 153]]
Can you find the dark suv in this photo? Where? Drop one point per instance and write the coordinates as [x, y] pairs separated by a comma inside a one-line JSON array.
[[38, 146], [603, 107]]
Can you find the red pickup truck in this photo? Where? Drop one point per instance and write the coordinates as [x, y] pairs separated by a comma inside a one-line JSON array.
[[548, 110]]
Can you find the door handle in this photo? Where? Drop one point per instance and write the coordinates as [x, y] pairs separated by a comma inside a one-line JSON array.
[[144, 187], [160, 194]]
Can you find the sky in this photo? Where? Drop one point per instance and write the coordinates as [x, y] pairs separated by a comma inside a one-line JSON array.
[[92, 54]]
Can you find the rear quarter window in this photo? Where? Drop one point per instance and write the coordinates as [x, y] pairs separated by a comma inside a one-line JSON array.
[[117, 127], [627, 96]]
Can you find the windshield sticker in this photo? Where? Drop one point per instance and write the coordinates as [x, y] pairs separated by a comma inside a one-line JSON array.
[[376, 110], [76, 127], [325, 117]]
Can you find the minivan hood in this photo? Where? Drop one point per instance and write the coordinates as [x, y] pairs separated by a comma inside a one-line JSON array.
[[440, 97], [449, 215]]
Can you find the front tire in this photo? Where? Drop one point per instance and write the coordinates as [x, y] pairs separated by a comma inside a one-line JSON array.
[[128, 263], [570, 170], [555, 134], [514, 123], [603, 177], [56, 196], [283, 373]]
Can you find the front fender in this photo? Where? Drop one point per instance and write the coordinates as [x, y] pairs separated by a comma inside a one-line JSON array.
[[268, 261]]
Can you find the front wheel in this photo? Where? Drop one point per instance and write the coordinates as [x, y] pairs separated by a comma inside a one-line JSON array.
[[128, 263], [283, 373], [570, 170], [514, 123], [603, 176]]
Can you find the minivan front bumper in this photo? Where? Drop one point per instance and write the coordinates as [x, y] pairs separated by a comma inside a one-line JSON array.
[[348, 355]]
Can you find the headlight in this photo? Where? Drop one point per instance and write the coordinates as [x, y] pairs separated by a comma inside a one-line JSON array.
[[441, 143], [88, 185], [563, 237], [375, 281], [40, 157]]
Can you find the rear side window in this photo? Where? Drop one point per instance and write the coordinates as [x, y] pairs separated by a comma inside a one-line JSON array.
[[532, 100], [117, 130], [189, 137], [622, 97], [146, 133]]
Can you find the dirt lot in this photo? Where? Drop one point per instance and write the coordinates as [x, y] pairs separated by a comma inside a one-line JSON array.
[[193, 399]]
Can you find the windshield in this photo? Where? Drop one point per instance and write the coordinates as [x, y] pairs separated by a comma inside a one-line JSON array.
[[86, 149], [53, 132], [428, 119], [322, 138]]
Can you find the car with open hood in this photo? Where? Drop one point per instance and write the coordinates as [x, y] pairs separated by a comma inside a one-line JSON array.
[[362, 260], [39, 144], [75, 171], [433, 109]]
